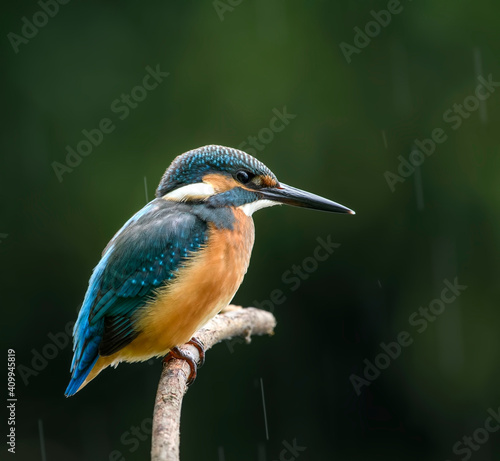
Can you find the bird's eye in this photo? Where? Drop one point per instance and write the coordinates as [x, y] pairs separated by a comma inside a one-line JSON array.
[[244, 176]]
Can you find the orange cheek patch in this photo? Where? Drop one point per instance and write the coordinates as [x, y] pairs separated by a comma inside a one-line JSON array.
[[220, 183], [267, 181]]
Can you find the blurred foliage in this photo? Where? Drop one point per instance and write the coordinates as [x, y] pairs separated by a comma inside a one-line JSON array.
[[352, 122]]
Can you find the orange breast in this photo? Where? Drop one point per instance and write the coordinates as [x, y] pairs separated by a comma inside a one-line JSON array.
[[202, 288]]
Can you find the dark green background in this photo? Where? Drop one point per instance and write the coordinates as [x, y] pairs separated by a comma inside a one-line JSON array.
[[226, 77]]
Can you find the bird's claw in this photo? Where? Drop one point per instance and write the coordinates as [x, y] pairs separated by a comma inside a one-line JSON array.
[[176, 353], [201, 349]]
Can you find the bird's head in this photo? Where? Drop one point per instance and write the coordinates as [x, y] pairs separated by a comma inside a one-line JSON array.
[[221, 176]]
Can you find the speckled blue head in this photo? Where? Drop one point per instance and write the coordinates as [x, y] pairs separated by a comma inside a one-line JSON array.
[[192, 166]]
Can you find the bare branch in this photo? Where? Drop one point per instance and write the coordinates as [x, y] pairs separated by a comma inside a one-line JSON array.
[[233, 322]]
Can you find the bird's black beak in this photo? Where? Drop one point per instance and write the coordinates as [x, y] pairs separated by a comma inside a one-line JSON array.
[[296, 197]]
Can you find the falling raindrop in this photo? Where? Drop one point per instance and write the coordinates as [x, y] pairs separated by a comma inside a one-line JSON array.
[[42, 440], [146, 188], [264, 407], [384, 138]]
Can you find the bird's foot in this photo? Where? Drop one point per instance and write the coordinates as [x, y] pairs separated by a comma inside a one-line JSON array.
[[176, 353], [201, 349]]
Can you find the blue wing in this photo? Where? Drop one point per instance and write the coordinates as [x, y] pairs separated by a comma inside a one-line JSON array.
[[147, 252]]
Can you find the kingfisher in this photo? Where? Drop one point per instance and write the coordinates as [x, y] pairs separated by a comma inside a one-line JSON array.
[[178, 261]]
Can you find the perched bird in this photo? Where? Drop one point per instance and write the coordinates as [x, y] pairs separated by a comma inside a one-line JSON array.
[[177, 262]]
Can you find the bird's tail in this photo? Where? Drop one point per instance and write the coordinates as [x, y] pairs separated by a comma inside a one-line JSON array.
[[78, 378]]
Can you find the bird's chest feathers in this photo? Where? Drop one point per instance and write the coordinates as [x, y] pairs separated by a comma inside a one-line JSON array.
[[221, 266], [204, 286]]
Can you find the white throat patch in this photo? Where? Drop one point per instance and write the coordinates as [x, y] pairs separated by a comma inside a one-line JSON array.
[[199, 190], [250, 208]]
